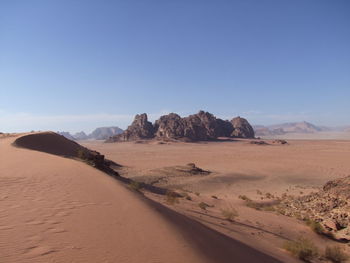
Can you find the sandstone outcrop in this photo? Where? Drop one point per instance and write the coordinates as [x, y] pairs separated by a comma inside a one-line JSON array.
[[140, 129], [202, 126], [170, 126], [242, 128]]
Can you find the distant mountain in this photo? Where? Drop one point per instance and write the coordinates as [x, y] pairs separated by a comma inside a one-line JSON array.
[[102, 133], [291, 127], [297, 127], [67, 135], [80, 136]]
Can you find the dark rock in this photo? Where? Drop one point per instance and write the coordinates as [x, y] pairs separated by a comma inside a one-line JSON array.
[[201, 126], [225, 128], [280, 141], [242, 128], [170, 126], [140, 129], [259, 142]]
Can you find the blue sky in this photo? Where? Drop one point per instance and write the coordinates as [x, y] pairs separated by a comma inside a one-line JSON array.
[[75, 65]]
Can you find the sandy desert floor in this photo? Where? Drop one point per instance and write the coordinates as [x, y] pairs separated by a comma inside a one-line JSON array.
[[238, 168], [56, 209]]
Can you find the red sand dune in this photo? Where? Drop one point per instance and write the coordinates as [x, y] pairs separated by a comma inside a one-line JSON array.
[[56, 209]]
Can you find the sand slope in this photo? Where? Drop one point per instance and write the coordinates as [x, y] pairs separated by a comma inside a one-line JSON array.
[[55, 209]]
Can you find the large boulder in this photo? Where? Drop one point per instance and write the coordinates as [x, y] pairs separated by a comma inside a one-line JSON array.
[[242, 128], [140, 129]]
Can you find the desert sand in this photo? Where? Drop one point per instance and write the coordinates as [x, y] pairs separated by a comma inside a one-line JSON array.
[[56, 209], [237, 168]]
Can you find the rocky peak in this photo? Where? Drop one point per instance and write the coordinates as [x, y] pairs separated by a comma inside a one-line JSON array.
[[140, 128], [242, 128]]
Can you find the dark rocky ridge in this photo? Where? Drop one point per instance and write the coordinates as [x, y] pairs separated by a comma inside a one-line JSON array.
[[140, 128], [202, 126]]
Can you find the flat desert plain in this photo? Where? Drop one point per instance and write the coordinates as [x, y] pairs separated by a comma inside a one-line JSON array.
[[238, 168]]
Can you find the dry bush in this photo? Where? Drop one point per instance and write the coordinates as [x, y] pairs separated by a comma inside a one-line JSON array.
[[302, 248], [203, 205], [229, 213], [171, 198], [315, 226], [134, 185], [335, 254]]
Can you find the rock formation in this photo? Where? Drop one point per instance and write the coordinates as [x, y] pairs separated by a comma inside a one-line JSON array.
[[80, 136], [330, 207], [202, 126], [103, 133], [242, 128], [170, 126], [140, 129]]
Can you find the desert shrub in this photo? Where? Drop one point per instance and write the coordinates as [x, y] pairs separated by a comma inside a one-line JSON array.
[[315, 226], [259, 192], [229, 213], [81, 154], [186, 196], [203, 205], [134, 185], [335, 254], [244, 197], [302, 248], [197, 194], [269, 208], [269, 195], [171, 197]]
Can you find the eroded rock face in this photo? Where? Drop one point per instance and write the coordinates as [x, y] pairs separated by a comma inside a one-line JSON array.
[[140, 129], [225, 128], [170, 126], [202, 126], [330, 207], [242, 128]]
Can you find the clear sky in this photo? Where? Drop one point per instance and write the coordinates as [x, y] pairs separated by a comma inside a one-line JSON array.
[[78, 64]]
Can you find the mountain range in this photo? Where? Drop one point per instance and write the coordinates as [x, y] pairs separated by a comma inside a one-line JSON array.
[[101, 133], [295, 127]]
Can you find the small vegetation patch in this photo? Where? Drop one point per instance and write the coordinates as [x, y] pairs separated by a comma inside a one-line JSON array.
[[172, 198], [229, 214], [302, 248], [134, 185], [315, 226], [244, 197], [186, 196], [335, 254], [203, 205]]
